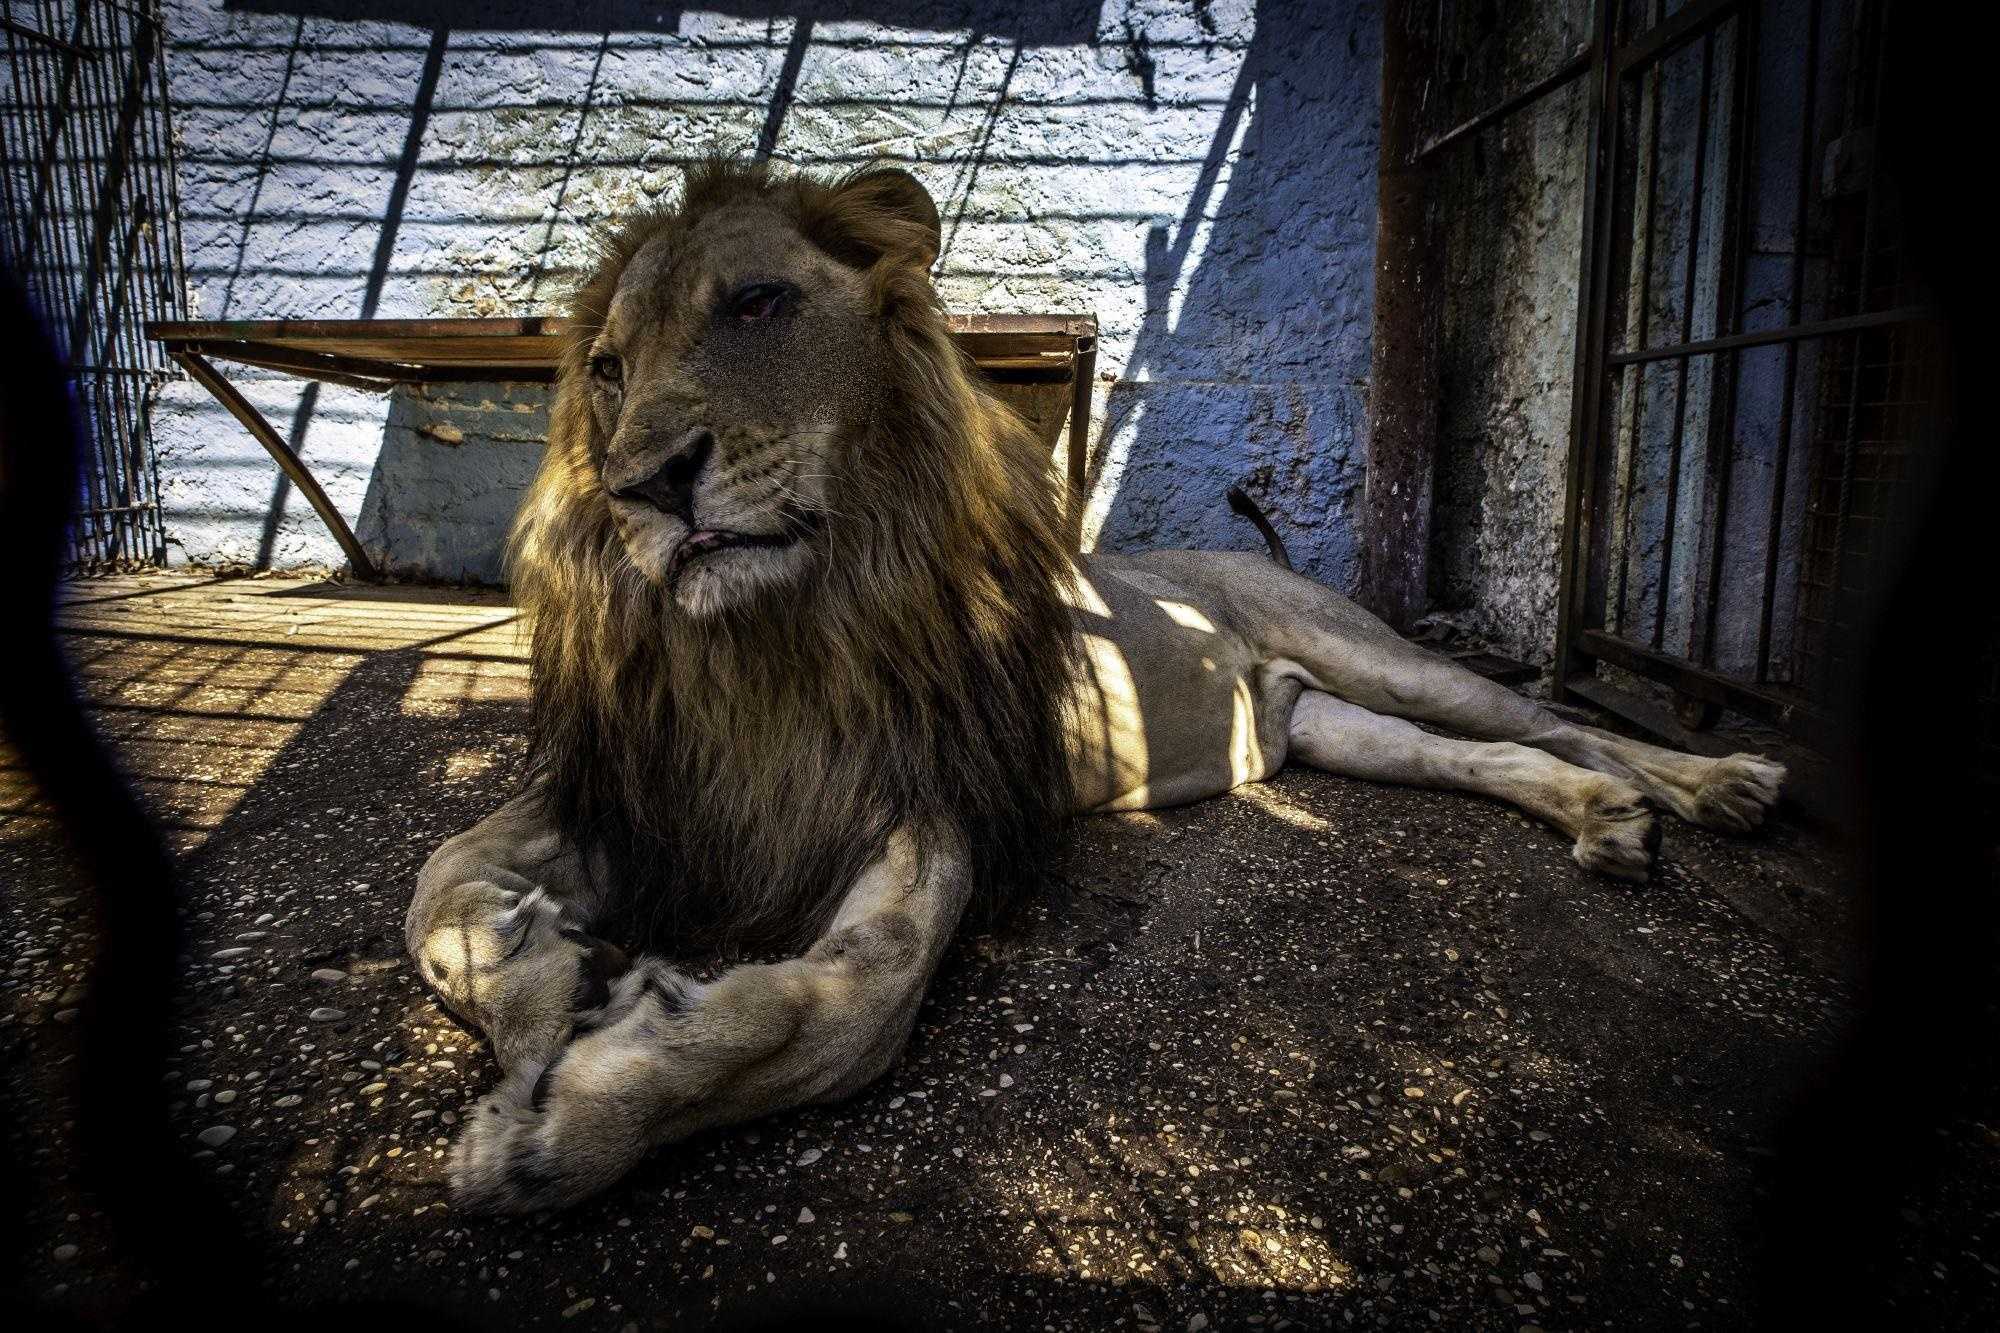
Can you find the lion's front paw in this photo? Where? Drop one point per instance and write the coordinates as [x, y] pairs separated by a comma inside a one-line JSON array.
[[1619, 834], [1737, 792], [550, 1136], [522, 972], [504, 1162], [544, 1145]]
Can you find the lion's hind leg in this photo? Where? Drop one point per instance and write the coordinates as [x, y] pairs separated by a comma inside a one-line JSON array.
[[1732, 793], [1350, 654], [1614, 830]]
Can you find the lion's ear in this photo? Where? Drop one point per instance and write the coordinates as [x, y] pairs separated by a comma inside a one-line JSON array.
[[887, 209]]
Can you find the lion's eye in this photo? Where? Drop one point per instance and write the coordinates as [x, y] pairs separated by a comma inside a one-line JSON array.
[[760, 300], [608, 369]]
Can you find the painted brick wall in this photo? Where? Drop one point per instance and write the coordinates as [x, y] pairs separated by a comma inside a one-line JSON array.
[[1199, 173]]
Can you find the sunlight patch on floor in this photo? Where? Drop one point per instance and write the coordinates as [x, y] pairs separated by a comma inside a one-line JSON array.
[[200, 685], [444, 685], [1281, 807]]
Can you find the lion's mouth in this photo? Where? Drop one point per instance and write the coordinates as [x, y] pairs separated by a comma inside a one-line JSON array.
[[698, 545]]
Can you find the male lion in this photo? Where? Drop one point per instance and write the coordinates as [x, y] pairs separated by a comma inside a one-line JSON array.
[[811, 661]]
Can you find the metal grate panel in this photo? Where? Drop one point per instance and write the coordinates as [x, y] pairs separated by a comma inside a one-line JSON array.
[[89, 216], [1757, 385]]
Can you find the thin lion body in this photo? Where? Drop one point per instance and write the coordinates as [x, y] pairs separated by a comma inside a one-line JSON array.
[[813, 668]]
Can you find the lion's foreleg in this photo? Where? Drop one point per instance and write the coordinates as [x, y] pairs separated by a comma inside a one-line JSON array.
[[498, 927], [669, 1056]]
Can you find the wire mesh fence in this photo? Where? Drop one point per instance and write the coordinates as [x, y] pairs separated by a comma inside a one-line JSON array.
[[89, 220]]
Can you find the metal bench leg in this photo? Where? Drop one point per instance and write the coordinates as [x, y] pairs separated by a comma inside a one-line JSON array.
[[1084, 376], [292, 465]]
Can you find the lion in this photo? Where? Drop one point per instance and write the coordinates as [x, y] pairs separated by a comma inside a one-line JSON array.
[[814, 671]]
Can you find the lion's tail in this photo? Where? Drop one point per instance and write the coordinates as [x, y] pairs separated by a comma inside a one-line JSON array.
[[1244, 505]]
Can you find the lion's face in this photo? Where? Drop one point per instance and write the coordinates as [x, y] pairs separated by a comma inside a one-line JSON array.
[[727, 382], [790, 568]]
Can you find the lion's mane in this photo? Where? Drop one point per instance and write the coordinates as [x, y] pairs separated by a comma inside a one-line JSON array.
[[731, 776]]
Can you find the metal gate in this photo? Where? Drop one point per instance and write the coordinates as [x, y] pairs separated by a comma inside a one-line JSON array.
[[1756, 380], [1756, 375], [91, 225]]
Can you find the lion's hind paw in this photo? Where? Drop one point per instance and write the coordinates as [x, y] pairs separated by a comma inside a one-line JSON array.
[[1619, 836], [1737, 792]]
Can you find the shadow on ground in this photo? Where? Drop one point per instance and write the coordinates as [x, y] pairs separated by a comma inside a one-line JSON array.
[[1319, 1052]]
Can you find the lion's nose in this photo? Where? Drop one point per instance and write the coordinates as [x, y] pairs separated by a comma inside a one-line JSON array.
[[670, 488]]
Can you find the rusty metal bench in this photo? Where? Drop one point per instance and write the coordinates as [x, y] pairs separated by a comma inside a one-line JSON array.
[[1042, 364]]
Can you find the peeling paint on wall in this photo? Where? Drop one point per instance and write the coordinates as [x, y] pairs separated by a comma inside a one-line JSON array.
[[1510, 214]]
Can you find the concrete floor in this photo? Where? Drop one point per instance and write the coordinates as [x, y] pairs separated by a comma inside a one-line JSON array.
[[1317, 1053]]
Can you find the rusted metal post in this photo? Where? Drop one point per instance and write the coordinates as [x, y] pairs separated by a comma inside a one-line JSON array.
[[1403, 367], [1083, 376], [1579, 602]]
